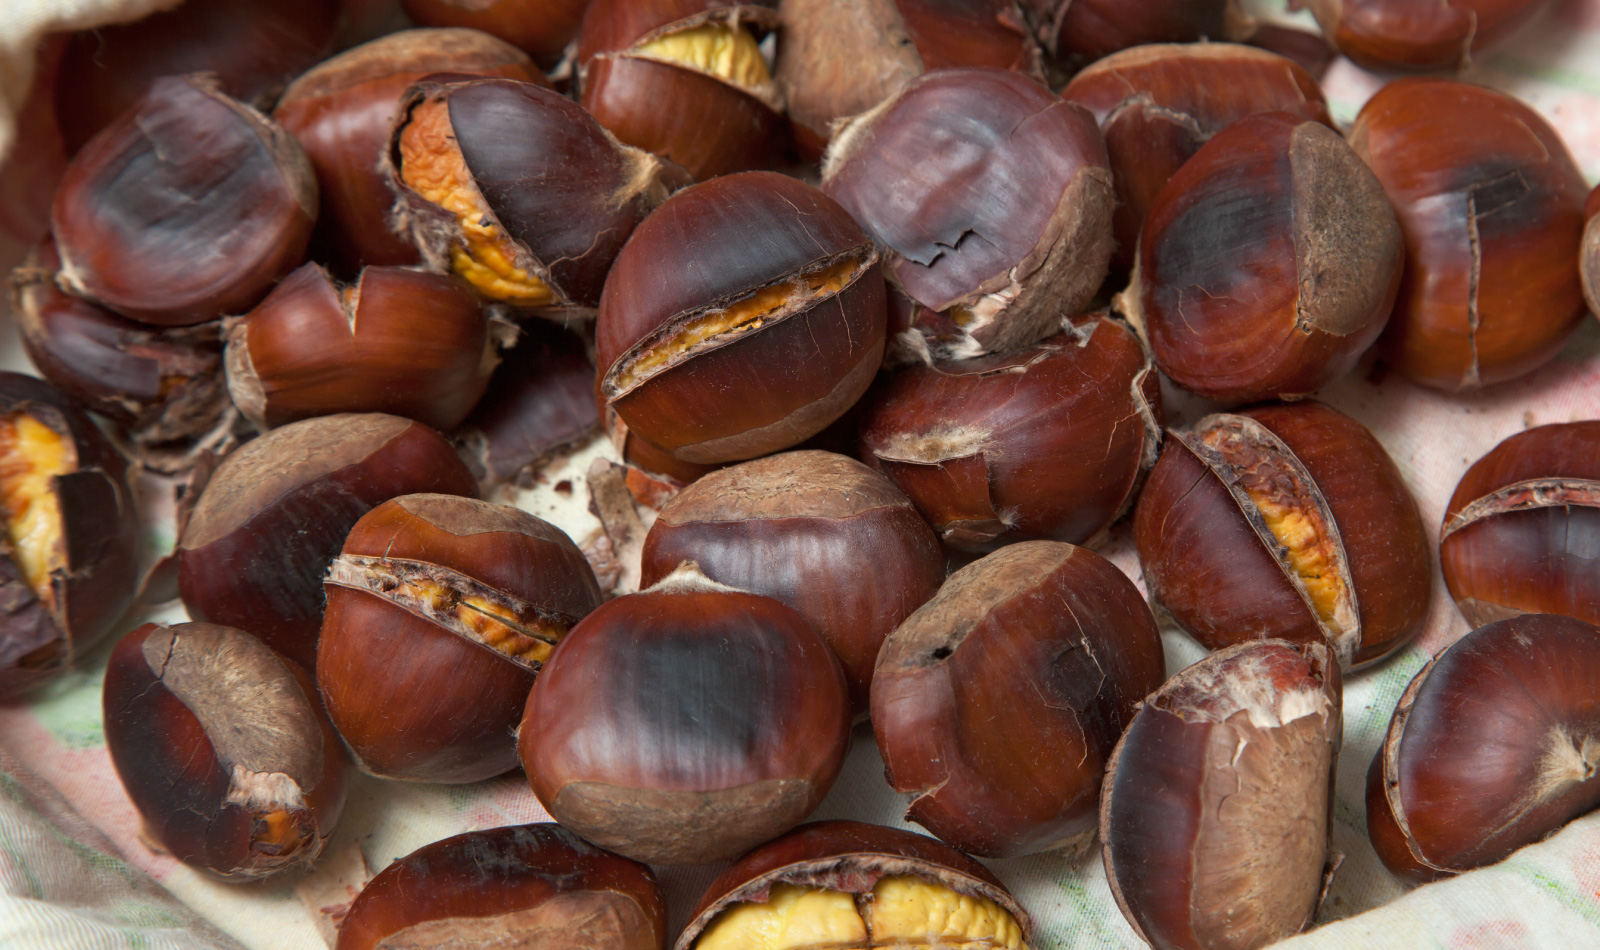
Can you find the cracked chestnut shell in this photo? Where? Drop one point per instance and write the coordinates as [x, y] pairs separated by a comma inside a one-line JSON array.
[[998, 702], [853, 886], [542, 28], [1048, 443], [1000, 236], [823, 533], [223, 748], [745, 315], [1493, 746], [189, 206], [1268, 264], [276, 512], [686, 723], [1081, 31], [1522, 529], [525, 885], [1589, 259], [1286, 521], [1218, 805], [1491, 206], [451, 598], [1400, 36]]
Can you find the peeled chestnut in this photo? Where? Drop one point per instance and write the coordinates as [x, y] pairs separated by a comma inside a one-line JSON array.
[[72, 537], [685, 79], [1286, 521], [275, 514], [996, 704], [1399, 35], [1046, 443], [1589, 260], [451, 598], [1002, 234], [1520, 532], [1081, 31], [686, 723], [525, 886], [543, 28], [822, 533], [744, 316], [223, 748], [1491, 206], [1218, 802], [855, 886], [395, 340], [187, 207], [1494, 745]]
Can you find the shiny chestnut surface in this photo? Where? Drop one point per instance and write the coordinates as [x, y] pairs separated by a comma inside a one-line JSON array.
[[1394, 35], [540, 27]]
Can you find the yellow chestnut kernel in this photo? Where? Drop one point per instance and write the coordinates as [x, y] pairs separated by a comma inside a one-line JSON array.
[[907, 911], [1313, 555], [31, 454], [792, 918], [726, 51]]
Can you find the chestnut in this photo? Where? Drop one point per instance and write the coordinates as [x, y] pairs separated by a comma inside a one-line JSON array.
[[852, 886], [1308, 48], [71, 534], [1494, 745], [394, 340], [223, 748], [685, 79], [517, 190], [1048, 443], [1286, 521], [1157, 105], [1589, 261], [997, 703], [823, 533], [275, 514], [1218, 804], [1398, 35], [686, 723], [641, 455], [542, 28], [1004, 233], [526, 885], [342, 111], [1517, 534], [1268, 264], [1491, 206], [451, 598], [1081, 31], [744, 316]]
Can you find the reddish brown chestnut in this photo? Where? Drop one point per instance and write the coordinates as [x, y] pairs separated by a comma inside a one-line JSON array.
[[276, 512], [1495, 745], [1305, 47], [1589, 257], [528, 886], [1520, 532], [1004, 232], [997, 703], [1397, 35], [1491, 205], [820, 532], [451, 598], [852, 886], [1286, 521], [187, 207], [223, 748], [686, 723], [1081, 31], [543, 28], [1218, 802], [1046, 443], [744, 316]]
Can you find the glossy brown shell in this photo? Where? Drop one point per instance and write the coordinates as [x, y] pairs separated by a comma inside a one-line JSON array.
[[1589, 261], [542, 28], [1395, 35], [1081, 31]]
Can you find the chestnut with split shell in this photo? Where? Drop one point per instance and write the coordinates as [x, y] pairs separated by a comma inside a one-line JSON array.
[[1400, 36]]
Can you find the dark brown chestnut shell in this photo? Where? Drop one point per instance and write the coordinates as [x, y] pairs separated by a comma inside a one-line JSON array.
[[1395, 36], [542, 28], [1082, 31], [1589, 256]]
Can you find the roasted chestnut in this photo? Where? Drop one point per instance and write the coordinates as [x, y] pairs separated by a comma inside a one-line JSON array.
[[275, 514], [517, 190], [1494, 745], [1047, 443], [1050, 643], [820, 532], [744, 315], [853, 886], [1268, 264], [187, 207], [1491, 205], [685, 79], [527, 885], [223, 748], [642, 455], [1305, 47], [1520, 532], [1003, 222], [451, 598], [1287, 521], [1391, 35], [543, 28], [1081, 31], [686, 723], [1589, 260], [1218, 801], [71, 539]]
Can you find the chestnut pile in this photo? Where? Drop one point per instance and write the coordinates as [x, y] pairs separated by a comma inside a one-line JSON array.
[[873, 300]]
